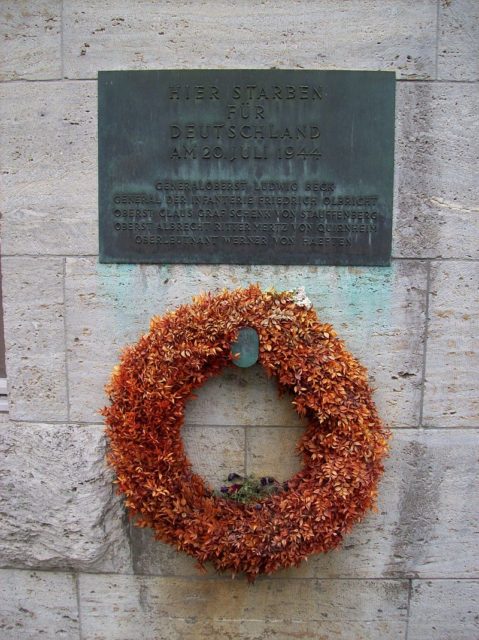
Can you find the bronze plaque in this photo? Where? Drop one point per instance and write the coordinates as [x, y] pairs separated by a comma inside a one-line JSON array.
[[246, 166]]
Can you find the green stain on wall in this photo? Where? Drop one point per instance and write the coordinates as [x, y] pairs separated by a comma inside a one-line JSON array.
[[357, 301]]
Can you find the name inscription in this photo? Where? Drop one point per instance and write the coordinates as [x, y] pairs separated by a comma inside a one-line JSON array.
[[268, 167]]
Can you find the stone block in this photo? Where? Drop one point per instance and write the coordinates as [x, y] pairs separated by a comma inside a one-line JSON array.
[[34, 338], [360, 35], [130, 607], [49, 162], [242, 396], [59, 508], [379, 312], [444, 609], [272, 452], [214, 452], [30, 34], [38, 605], [437, 181], [458, 40], [433, 523], [452, 360], [110, 307], [151, 557]]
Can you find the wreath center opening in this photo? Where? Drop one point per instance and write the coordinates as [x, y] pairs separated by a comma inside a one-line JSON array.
[[240, 436]]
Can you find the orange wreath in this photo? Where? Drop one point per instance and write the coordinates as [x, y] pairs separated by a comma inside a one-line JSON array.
[[342, 448]]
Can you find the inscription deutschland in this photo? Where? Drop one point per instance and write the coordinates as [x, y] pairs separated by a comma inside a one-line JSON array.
[[249, 105], [244, 172]]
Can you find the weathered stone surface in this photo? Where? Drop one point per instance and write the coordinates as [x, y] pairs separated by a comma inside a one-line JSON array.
[[38, 605], [110, 306], [127, 607], [30, 40], [189, 629], [361, 35], [34, 338], [242, 396], [272, 452], [437, 171], [151, 557], [215, 452], [379, 312], [444, 609], [458, 46], [58, 502], [452, 362], [49, 163], [434, 521]]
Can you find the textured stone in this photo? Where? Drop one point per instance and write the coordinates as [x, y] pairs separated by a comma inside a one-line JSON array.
[[30, 40], [59, 507], [437, 171], [434, 521], [452, 363], [444, 609], [241, 396], [361, 35], [378, 311], [458, 46], [272, 451], [110, 306], [49, 162], [130, 607], [190, 629], [151, 557], [38, 605], [214, 452], [34, 338]]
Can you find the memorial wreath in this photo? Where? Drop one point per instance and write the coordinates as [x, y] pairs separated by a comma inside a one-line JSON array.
[[342, 448]]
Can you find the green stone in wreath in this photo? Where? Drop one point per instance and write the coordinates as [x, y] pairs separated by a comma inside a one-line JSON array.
[[247, 345]]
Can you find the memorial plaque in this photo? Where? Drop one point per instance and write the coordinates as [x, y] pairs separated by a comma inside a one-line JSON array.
[[246, 166]]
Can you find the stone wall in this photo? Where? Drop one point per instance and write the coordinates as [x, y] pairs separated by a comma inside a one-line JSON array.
[[72, 566]]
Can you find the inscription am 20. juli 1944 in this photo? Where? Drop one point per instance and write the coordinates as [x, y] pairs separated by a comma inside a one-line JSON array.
[[267, 167]]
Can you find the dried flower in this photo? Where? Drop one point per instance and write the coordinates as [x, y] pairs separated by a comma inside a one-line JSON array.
[[301, 299]]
